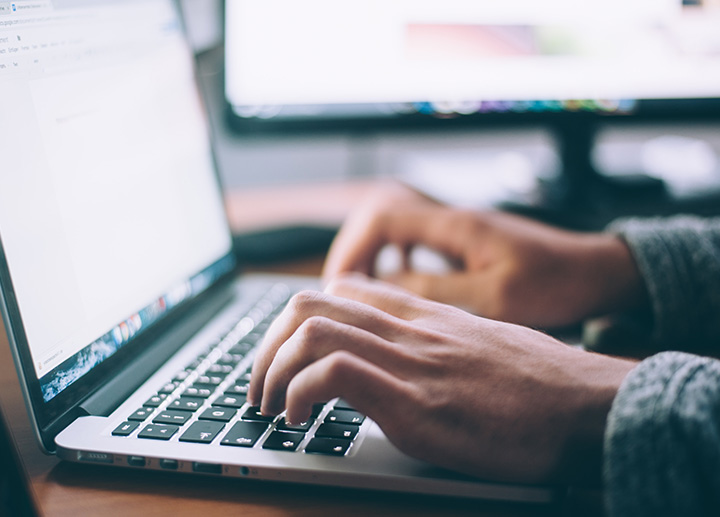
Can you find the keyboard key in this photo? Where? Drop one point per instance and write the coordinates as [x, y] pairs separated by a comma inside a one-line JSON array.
[[317, 409], [181, 376], [238, 389], [219, 369], [253, 413], [208, 381], [344, 416], [234, 401], [230, 359], [172, 417], [301, 427], [155, 400], [241, 348], [344, 431], [221, 414], [158, 431], [283, 441], [202, 432], [169, 387], [141, 414], [244, 434], [193, 391], [186, 404], [125, 429], [331, 446], [341, 404]]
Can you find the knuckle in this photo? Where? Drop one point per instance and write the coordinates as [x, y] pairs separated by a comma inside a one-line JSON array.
[[339, 366], [314, 328], [305, 302]]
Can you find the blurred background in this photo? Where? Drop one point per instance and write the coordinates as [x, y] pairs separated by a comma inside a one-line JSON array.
[[572, 114]]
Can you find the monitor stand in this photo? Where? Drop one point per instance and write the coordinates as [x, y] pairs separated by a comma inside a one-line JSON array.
[[580, 196]]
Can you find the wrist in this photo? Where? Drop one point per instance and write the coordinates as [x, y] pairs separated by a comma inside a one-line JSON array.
[[613, 276], [599, 379]]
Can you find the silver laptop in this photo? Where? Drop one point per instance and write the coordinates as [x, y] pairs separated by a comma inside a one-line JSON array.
[[132, 331]]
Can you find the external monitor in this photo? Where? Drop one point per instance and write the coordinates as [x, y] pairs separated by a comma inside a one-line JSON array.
[[380, 65]]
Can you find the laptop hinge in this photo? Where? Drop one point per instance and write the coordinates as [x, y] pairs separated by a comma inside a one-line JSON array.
[[108, 397]]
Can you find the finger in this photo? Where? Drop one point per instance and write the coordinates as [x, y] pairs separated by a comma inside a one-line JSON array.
[[389, 298], [459, 288], [316, 338], [360, 240], [305, 305], [367, 387]]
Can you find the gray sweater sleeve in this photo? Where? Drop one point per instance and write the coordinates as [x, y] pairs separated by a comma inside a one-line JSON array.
[[679, 260], [662, 439]]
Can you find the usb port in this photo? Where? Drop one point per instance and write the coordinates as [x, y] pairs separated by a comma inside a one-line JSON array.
[[207, 468], [136, 461], [168, 464]]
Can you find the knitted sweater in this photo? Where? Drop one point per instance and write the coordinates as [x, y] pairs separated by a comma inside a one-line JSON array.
[[662, 438]]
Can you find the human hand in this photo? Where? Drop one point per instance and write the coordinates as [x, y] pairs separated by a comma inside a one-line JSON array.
[[487, 398], [507, 267]]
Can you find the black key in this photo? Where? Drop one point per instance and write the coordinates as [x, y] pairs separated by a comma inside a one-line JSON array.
[[238, 389], [230, 359], [172, 417], [344, 431], [181, 376], [341, 404], [283, 441], [234, 401], [331, 446], [169, 387], [301, 427], [221, 414], [219, 369], [241, 348], [141, 414], [244, 434], [186, 403], [125, 428], [197, 362], [193, 391], [317, 409], [253, 413], [158, 431], [202, 432], [208, 381], [155, 400], [344, 416]]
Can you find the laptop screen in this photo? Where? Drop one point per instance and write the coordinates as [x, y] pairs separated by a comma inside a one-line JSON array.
[[110, 210]]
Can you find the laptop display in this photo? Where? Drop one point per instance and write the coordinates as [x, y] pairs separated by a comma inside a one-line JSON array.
[[110, 211]]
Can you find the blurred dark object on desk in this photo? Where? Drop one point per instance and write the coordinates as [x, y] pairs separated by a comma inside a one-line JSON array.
[[282, 244]]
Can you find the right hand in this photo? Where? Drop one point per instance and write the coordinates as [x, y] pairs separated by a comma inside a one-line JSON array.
[[507, 267]]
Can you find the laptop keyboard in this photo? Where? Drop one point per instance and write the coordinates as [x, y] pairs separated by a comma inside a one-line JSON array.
[[205, 402]]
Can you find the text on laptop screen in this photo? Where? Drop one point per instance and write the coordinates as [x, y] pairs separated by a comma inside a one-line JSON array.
[[110, 211]]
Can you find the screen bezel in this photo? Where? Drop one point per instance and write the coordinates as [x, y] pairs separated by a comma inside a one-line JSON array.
[[645, 110], [48, 418]]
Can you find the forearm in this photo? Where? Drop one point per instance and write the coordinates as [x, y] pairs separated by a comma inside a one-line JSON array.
[[662, 440]]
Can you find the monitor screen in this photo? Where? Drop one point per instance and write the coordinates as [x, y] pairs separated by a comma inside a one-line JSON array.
[[376, 58], [110, 211]]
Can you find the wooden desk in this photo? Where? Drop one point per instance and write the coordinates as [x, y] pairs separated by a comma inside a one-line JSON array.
[[77, 490]]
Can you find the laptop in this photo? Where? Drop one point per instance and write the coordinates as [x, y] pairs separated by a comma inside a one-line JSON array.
[[132, 330]]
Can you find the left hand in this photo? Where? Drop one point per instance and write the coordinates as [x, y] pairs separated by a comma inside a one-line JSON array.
[[491, 399]]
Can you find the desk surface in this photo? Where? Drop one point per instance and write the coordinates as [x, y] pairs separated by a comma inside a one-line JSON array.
[[62, 488]]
